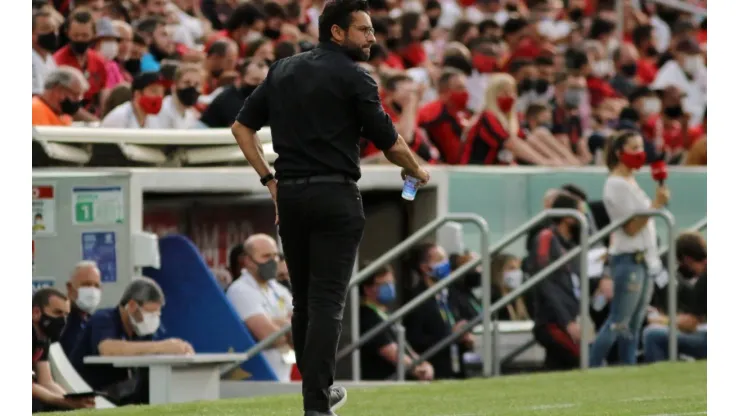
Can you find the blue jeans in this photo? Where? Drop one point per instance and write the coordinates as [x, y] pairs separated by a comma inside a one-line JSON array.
[[655, 342], [632, 292]]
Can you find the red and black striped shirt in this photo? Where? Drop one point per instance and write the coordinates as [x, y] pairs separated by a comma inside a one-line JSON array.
[[485, 141], [444, 129]]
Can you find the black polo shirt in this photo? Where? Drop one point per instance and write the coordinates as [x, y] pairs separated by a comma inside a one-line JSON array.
[[318, 104], [223, 109], [39, 347], [102, 325], [374, 366]]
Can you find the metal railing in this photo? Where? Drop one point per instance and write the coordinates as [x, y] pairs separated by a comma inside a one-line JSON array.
[[391, 255], [488, 352], [375, 266], [585, 295], [698, 226]]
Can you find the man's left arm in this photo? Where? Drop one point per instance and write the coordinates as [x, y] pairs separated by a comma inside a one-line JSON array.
[[43, 374]]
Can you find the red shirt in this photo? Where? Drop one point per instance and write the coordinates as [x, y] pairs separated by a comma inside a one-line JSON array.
[[394, 61], [526, 48], [598, 90], [646, 70], [444, 129], [94, 69], [485, 142], [414, 55], [673, 139]]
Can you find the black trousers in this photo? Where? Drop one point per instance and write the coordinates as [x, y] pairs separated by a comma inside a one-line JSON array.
[[321, 227], [561, 353]]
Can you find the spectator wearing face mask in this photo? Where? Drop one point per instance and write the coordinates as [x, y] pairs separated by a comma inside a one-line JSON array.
[[433, 320], [61, 98], [604, 122], [691, 253], [557, 327], [275, 17], [570, 95], [222, 111], [444, 119], [129, 329], [106, 44], [145, 104], [538, 130], [79, 55], [625, 64], [379, 356], [178, 110], [516, 33], [687, 72], [464, 303], [50, 310], [495, 137], [83, 292], [507, 275], [679, 133], [45, 40], [263, 304], [124, 60]]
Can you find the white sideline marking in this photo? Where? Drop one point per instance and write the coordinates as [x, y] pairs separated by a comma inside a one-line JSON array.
[[550, 406], [679, 414], [647, 399]]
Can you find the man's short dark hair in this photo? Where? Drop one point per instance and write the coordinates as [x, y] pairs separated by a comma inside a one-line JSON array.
[[564, 201], [218, 48], [339, 12], [544, 60], [149, 25], [691, 245], [518, 64], [274, 10], [600, 27], [244, 15], [514, 25], [487, 24], [285, 49], [370, 281], [43, 297], [392, 82], [535, 109], [419, 255], [576, 191], [447, 74], [641, 33], [81, 15]]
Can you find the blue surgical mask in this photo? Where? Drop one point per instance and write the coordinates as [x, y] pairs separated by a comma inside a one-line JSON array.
[[441, 270], [386, 293]]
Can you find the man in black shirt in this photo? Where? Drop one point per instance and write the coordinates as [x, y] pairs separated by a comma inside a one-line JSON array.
[[318, 104], [223, 109], [691, 252], [379, 356], [50, 310]]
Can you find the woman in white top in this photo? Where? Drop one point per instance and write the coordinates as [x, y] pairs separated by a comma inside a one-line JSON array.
[[633, 250]]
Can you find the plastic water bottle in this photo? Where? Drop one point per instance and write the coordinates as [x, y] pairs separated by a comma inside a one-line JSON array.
[[409, 188], [599, 302]]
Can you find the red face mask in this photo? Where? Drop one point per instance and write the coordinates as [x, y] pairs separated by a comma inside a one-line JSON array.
[[459, 99], [484, 64], [505, 103], [151, 104], [633, 160]]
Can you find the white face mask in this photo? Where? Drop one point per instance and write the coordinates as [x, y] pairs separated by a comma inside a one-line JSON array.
[[251, 36], [513, 278], [88, 298], [603, 68], [148, 325], [109, 49], [693, 64], [651, 106]]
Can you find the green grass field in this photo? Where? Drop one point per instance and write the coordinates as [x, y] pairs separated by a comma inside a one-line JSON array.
[[659, 390]]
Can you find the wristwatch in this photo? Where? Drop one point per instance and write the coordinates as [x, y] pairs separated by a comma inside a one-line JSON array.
[[267, 178]]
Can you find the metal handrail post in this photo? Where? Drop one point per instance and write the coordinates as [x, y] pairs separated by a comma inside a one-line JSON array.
[[354, 295], [401, 334], [585, 293], [544, 273]]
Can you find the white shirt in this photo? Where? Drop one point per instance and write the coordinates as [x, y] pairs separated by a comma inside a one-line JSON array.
[[170, 118], [695, 100], [273, 300], [40, 67], [622, 198], [123, 117]]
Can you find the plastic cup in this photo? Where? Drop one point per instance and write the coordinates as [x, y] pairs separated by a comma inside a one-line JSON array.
[[409, 188]]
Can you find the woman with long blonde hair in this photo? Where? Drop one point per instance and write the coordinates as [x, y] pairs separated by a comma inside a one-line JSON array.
[[494, 137], [506, 275]]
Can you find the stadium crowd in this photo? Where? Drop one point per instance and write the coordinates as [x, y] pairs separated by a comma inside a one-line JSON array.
[[494, 82]]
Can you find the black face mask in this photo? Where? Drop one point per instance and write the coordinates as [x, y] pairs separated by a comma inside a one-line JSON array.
[[392, 43], [158, 53], [79, 48], [629, 70], [132, 66], [472, 280], [272, 33], [48, 41], [247, 90], [69, 107], [512, 8], [426, 35], [541, 86], [576, 15], [675, 111], [575, 232], [52, 327], [433, 21], [526, 85], [652, 51], [216, 73], [188, 96]]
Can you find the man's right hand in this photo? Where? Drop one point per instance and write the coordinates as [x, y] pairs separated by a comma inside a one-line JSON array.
[[419, 173], [424, 372], [176, 346], [574, 330]]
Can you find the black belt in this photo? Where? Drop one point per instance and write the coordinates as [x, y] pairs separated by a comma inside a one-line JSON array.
[[337, 178]]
